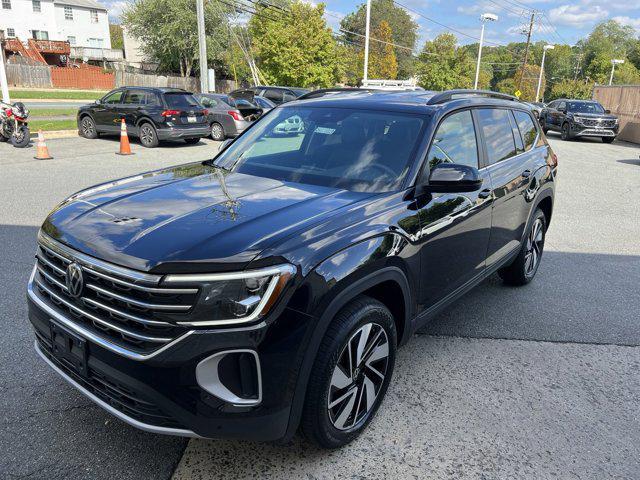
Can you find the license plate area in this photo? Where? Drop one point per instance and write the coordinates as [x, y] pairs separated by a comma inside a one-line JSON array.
[[69, 349], [192, 119]]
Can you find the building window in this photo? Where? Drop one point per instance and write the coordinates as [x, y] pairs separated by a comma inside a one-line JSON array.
[[94, 16], [71, 40], [40, 35], [68, 13], [95, 42], [6, 4], [35, 4], [11, 32]]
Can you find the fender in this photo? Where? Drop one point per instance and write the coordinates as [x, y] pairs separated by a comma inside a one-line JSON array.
[[349, 287]]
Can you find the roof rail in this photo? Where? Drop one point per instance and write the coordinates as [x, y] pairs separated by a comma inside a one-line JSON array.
[[461, 93]]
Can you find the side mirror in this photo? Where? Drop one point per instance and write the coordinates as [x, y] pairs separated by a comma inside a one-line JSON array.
[[98, 102], [224, 144], [452, 177], [562, 110], [607, 111]]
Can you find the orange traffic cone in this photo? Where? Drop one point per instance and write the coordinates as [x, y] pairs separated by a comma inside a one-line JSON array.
[[42, 152], [125, 147]]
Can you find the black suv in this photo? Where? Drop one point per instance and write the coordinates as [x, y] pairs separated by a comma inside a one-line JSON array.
[[269, 288], [277, 95], [579, 118], [151, 114]]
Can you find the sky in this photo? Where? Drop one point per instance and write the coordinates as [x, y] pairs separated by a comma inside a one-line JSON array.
[[559, 21]]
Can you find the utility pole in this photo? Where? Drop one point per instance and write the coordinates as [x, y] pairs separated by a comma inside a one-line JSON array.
[[614, 62], [577, 69], [202, 47], [544, 54], [526, 51], [485, 17], [367, 27], [4, 85]]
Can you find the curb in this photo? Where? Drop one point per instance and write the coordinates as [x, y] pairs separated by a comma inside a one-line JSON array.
[[53, 134], [50, 100]]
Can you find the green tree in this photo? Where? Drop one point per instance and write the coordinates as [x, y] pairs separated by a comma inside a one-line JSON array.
[[404, 31], [571, 89], [117, 40], [168, 32], [607, 41], [297, 48], [382, 58], [442, 65]]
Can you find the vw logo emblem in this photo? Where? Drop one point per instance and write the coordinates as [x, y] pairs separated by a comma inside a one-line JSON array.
[[75, 280]]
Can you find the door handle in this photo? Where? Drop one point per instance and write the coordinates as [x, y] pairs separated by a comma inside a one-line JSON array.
[[526, 174], [486, 193]]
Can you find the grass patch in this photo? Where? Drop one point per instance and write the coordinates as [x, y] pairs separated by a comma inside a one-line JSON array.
[[53, 112], [56, 94], [50, 125]]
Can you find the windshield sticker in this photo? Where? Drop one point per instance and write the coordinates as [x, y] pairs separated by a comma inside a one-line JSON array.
[[324, 130]]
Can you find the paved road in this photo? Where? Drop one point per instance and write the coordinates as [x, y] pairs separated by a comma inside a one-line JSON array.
[[535, 382]]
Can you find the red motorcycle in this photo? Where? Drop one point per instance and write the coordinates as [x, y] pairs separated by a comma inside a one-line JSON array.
[[13, 124]]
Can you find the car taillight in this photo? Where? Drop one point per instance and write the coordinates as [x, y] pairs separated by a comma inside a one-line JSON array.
[[205, 112], [235, 115], [170, 113], [554, 160]]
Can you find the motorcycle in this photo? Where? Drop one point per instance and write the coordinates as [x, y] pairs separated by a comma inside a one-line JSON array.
[[13, 124]]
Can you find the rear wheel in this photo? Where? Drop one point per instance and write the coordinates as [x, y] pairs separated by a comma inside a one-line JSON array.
[[148, 136], [217, 132], [526, 264], [543, 125], [88, 127], [608, 139], [3, 138], [351, 373], [566, 132], [191, 141]]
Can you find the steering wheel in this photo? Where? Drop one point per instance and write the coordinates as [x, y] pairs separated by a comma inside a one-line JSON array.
[[385, 169]]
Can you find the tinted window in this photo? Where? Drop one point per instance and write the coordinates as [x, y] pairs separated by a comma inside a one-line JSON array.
[[454, 142], [585, 107], [527, 128], [274, 95], [561, 106], [288, 97], [180, 100], [113, 98], [553, 105], [152, 99], [134, 97], [357, 150], [207, 102], [498, 134]]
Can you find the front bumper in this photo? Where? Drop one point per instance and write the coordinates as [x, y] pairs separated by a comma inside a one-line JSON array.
[[181, 132], [584, 131], [162, 394]]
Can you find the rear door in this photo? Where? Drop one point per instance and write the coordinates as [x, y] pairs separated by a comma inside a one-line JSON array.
[[511, 169], [454, 227], [189, 111], [106, 113], [131, 107]]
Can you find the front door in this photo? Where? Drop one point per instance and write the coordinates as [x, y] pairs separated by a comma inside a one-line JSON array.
[[106, 112], [454, 227]]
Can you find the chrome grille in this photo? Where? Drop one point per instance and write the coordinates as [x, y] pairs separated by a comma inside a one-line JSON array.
[[594, 122], [121, 306]]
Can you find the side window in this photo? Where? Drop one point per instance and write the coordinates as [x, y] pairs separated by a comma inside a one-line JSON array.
[[552, 105], [134, 97], [207, 102], [288, 97], [498, 134], [115, 97], [454, 141], [516, 134], [152, 99], [527, 128], [562, 106], [274, 95]]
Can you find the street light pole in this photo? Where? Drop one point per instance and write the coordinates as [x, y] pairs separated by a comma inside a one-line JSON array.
[[614, 62], [544, 54], [202, 47], [485, 17], [367, 28]]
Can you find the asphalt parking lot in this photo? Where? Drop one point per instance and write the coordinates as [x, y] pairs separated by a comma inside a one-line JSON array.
[[534, 382]]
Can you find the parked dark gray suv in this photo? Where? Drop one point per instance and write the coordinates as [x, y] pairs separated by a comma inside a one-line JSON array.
[[579, 118]]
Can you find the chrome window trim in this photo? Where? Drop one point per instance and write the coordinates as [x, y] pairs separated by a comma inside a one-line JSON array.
[[116, 413]]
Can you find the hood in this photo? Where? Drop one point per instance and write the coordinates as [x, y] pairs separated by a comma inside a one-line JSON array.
[[604, 116], [189, 218]]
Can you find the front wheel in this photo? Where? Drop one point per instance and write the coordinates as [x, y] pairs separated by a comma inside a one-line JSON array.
[[608, 139], [88, 128], [351, 373], [543, 125], [566, 132], [526, 264], [20, 137]]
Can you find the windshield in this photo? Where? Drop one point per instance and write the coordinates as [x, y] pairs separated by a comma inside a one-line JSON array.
[[180, 100], [356, 150], [585, 107]]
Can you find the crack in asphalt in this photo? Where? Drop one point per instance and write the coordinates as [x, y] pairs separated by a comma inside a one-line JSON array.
[[533, 340]]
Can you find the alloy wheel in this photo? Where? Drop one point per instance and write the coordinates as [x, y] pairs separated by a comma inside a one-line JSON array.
[[358, 376], [146, 135], [217, 132], [535, 242], [88, 128]]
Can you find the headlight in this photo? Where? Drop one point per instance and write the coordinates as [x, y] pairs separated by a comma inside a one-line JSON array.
[[578, 119], [237, 297], [617, 121]]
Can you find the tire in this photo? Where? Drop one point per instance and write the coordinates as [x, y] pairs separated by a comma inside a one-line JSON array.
[[334, 426], [523, 269], [191, 141], [217, 132], [21, 138], [148, 135], [566, 132], [543, 126], [608, 139], [87, 128], [3, 138]]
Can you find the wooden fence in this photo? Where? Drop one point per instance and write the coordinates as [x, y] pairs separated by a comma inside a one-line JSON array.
[[623, 101], [28, 76], [143, 80], [83, 78]]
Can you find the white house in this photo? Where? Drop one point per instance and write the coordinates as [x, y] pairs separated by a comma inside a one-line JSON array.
[[83, 23]]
